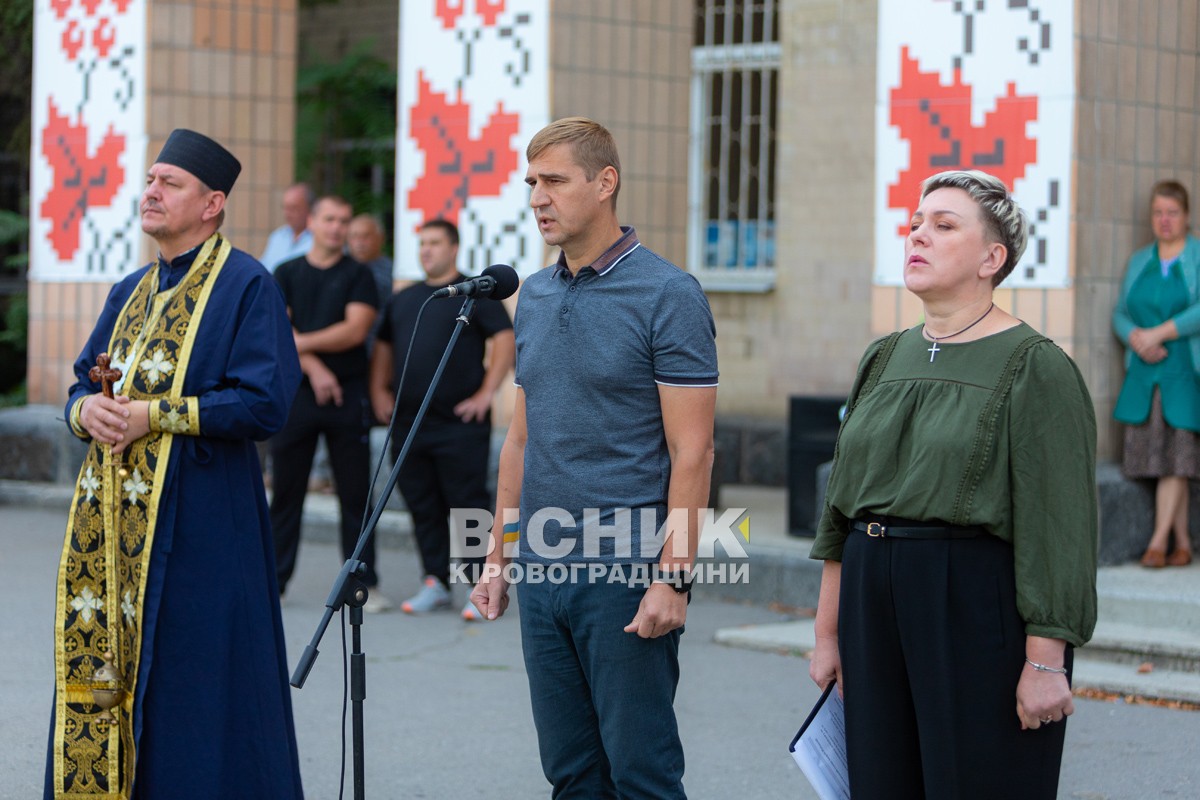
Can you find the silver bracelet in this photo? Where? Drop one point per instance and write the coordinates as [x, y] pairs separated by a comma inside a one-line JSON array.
[[1044, 668]]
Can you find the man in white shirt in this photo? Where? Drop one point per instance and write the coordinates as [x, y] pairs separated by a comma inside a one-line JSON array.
[[292, 239]]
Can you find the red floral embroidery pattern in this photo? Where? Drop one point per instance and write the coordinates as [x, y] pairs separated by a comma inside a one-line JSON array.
[[489, 10], [935, 119], [458, 167], [448, 11], [80, 181], [72, 39], [104, 37], [103, 34]]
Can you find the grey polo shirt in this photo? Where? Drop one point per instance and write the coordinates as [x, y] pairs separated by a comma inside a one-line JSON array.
[[592, 351]]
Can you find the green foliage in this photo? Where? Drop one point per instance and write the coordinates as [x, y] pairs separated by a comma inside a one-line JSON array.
[[14, 308], [14, 227], [16, 76], [14, 232], [345, 127], [16, 323], [15, 397], [14, 338], [16, 20]]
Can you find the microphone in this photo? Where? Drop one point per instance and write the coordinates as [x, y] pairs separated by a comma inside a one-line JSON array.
[[497, 282]]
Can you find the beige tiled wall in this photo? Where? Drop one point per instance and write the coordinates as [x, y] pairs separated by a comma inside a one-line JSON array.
[[61, 316], [806, 336], [627, 64], [231, 73], [227, 69]]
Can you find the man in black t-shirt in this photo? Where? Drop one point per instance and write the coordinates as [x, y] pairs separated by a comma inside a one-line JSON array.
[[446, 467], [331, 299]]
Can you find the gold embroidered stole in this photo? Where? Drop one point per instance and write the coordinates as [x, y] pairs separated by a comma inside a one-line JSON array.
[[110, 536]]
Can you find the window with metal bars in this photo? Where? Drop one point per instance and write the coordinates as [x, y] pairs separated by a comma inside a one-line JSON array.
[[735, 95]]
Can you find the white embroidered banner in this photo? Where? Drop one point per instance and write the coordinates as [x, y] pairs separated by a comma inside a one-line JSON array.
[[89, 139], [977, 84], [473, 89]]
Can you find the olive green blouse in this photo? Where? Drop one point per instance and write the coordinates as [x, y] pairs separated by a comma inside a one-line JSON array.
[[998, 433]]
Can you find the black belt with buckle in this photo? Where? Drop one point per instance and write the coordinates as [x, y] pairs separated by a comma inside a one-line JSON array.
[[903, 529]]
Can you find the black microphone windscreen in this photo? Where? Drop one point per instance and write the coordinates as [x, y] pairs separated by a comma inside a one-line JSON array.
[[506, 280]]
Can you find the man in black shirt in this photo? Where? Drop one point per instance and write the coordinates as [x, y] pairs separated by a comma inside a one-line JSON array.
[[446, 467], [331, 299]]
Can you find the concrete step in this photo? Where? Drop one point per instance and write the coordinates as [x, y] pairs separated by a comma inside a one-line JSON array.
[[1126, 643], [794, 638], [1156, 598], [782, 576], [1124, 679]]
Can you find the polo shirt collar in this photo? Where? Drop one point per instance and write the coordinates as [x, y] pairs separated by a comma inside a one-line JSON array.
[[607, 260]]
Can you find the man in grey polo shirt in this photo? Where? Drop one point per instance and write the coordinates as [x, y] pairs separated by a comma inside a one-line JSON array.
[[608, 459]]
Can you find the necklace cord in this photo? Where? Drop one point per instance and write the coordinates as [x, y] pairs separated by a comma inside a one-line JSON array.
[[925, 329]]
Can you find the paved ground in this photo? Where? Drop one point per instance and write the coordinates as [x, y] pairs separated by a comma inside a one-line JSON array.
[[447, 705]]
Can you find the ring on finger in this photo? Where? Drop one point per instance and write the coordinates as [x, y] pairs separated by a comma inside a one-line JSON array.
[[1047, 720]]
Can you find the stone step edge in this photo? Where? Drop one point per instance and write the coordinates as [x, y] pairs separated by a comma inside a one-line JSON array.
[[1122, 679], [1109, 593], [796, 639], [1151, 641]]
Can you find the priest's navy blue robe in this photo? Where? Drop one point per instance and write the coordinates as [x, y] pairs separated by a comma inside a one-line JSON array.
[[213, 714]]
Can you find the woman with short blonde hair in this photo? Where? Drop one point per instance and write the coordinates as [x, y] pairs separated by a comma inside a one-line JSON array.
[[960, 527]]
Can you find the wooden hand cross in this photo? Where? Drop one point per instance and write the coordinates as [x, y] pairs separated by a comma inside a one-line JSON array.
[[104, 374]]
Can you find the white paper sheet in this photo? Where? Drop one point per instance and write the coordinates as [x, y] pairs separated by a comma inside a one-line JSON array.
[[820, 747]]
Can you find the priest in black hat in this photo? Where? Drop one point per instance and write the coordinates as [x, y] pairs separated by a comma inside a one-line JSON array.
[[171, 676]]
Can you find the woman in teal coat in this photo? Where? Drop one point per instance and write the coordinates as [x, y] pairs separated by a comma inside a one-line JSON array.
[[1158, 319]]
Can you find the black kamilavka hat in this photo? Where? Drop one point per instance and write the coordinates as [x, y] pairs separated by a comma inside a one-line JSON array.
[[201, 156]]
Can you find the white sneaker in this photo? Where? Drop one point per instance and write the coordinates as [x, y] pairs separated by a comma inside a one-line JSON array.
[[433, 595], [377, 602], [470, 613]]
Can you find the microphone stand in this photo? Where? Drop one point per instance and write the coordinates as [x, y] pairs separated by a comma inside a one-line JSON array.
[[348, 588]]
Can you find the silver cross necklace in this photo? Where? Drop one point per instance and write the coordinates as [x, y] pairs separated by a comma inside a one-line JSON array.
[[933, 351]]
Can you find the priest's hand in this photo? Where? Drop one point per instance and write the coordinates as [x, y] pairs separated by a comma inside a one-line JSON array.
[[117, 422], [137, 424], [105, 420]]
